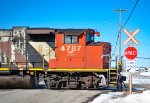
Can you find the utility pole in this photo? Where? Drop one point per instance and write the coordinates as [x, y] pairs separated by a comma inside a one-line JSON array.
[[120, 27]]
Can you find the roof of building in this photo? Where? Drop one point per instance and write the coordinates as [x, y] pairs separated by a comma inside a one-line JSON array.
[[5, 29]]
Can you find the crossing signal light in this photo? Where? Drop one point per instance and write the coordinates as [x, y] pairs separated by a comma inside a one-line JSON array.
[[119, 63]]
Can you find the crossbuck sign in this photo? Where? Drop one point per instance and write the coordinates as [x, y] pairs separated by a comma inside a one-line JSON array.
[[131, 37]]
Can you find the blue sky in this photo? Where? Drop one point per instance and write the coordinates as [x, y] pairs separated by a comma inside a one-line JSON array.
[[96, 14]]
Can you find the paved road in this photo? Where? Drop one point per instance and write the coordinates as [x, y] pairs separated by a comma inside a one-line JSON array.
[[45, 96]]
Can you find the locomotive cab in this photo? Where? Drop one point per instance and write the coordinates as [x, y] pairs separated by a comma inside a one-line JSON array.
[[76, 49], [79, 62]]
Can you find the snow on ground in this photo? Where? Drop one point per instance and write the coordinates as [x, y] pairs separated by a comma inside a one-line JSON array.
[[145, 74], [132, 98], [121, 97], [139, 78]]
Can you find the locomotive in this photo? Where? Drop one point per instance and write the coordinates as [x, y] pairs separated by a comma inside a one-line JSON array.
[[67, 58]]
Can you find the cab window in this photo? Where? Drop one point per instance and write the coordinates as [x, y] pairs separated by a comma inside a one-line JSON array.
[[89, 38], [74, 39], [71, 39]]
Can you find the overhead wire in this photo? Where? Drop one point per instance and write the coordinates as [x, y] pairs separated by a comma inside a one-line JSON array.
[[115, 46], [129, 15], [142, 58], [124, 26]]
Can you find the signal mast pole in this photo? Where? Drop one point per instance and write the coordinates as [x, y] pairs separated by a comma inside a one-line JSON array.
[[120, 27]]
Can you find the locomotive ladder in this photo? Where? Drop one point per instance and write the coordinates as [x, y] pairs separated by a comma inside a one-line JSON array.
[[113, 77]]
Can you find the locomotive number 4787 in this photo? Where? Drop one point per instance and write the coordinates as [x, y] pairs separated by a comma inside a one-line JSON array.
[[71, 48]]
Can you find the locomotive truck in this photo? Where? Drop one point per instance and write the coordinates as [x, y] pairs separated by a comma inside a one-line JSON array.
[[66, 58]]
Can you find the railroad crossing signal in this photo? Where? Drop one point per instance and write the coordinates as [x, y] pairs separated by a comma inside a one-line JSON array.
[[130, 53], [131, 36]]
